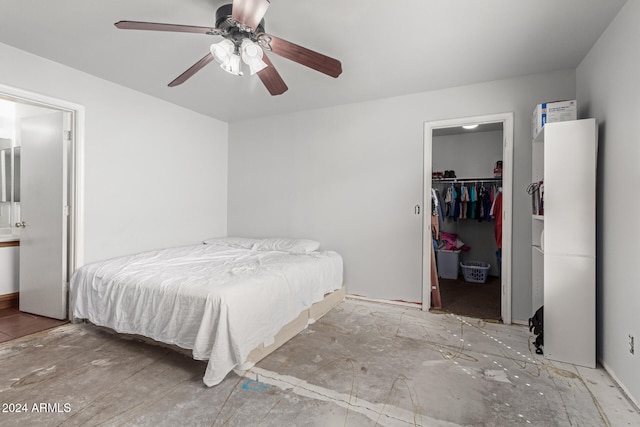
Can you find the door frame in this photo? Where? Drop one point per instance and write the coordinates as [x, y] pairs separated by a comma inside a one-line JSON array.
[[75, 240], [507, 120]]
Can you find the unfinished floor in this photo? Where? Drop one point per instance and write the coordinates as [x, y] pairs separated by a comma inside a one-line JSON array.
[[363, 364]]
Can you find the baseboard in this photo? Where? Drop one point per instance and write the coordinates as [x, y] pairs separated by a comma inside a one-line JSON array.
[[9, 300], [620, 384], [385, 301], [520, 322]]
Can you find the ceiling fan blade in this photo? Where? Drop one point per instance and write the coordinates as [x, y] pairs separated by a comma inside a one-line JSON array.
[[302, 55], [154, 26], [271, 78], [249, 12], [192, 70]]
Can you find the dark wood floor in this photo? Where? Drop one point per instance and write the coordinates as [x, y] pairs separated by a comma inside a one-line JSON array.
[[15, 324], [479, 300]]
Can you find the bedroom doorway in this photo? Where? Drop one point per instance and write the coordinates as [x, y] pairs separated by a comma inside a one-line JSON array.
[[474, 177], [46, 210]]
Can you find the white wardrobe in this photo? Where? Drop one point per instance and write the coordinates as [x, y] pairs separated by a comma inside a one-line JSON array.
[[564, 240]]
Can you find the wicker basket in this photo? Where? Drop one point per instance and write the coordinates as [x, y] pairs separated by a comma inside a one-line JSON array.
[[475, 271]]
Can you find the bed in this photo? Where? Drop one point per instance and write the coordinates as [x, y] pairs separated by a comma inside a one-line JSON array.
[[230, 301]]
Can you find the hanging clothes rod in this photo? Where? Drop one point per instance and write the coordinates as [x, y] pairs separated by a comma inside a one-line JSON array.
[[454, 180]]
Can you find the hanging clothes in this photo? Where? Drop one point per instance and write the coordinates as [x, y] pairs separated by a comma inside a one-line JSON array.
[[496, 212], [464, 199], [448, 200], [493, 201], [489, 203], [457, 193], [473, 198], [484, 204], [434, 202], [454, 210], [437, 208], [461, 210]]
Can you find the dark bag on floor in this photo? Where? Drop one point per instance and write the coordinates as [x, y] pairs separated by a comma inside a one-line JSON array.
[[536, 326]]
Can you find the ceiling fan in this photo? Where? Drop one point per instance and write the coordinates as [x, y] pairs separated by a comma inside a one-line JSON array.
[[241, 25]]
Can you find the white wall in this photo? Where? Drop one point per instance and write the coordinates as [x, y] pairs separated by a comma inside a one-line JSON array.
[[470, 154], [607, 88], [9, 257], [350, 176], [155, 173]]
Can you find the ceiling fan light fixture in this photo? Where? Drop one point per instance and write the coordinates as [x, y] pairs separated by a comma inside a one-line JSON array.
[[224, 54], [232, 65], [252, 56], [222, 51]]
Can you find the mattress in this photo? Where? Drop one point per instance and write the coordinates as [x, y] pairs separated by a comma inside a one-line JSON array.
[[218, 301]]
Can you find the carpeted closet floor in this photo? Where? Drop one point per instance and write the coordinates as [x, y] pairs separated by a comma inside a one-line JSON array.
[[478, 300]]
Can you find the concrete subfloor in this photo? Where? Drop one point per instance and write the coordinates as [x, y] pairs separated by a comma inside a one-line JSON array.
[[363, 364]]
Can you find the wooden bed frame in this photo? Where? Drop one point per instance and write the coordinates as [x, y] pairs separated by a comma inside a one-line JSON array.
[[293, 328]]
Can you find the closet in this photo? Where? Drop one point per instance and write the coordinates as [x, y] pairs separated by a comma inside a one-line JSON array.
[[466, 193]]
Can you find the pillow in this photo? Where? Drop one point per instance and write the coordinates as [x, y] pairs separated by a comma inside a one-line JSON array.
[[234, 242], [300, 246]]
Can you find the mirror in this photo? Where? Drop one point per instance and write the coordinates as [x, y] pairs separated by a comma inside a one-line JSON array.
[[16, 174], [6, 170]]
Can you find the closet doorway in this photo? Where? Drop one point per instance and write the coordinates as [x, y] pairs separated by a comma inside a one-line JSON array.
[[468, 174]]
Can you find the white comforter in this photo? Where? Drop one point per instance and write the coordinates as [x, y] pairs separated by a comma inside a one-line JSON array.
[[219, 301]]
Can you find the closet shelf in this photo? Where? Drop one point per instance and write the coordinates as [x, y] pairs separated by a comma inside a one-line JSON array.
[[538, 217]]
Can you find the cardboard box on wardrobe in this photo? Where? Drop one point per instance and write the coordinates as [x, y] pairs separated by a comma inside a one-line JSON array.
[[550, 112]]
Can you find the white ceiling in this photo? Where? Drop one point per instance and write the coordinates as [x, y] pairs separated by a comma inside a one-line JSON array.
[[386, 48]]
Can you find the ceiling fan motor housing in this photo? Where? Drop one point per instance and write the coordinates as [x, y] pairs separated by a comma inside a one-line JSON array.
[[225, 23]]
